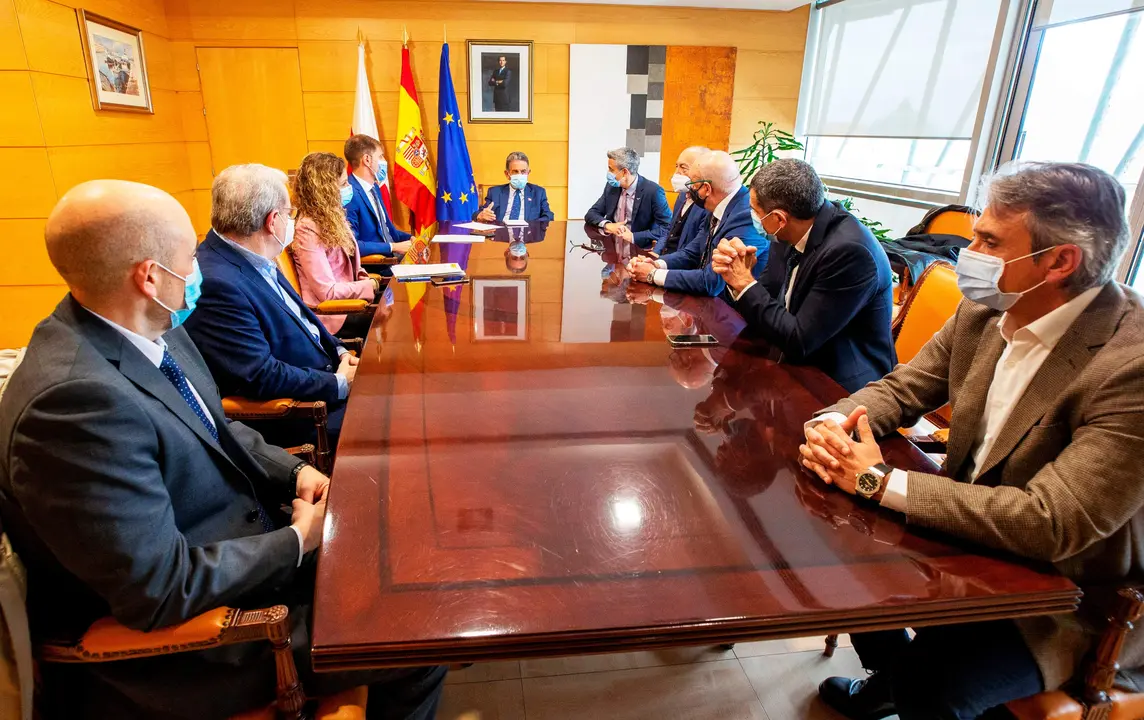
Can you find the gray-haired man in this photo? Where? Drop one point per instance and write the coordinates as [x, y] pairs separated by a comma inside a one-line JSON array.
[[518, 200], [1043, 364], [631, 207]]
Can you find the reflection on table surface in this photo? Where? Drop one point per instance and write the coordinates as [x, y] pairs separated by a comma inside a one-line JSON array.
[[527, 467]]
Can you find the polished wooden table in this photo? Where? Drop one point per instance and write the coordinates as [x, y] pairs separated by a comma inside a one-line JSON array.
[[527, 468]]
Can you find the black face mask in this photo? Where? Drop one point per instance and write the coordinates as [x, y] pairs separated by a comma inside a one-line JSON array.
[[693, 193]]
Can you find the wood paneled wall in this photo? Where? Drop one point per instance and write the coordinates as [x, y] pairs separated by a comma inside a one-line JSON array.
[[51, 138]]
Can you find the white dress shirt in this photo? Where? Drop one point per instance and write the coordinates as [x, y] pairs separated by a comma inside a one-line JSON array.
[[366, 188], [153, 351], [800, 248], [659, 277], [1025, 351]]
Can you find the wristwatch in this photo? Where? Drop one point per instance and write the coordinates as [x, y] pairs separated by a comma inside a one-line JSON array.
[[868, 483], [297, 469]]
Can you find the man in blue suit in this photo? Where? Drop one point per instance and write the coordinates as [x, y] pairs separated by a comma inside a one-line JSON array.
[[715, 186], [688, 220], [372, 226], [517, 199], [644, 215], [258, 338], [827, 297], [499, 80]]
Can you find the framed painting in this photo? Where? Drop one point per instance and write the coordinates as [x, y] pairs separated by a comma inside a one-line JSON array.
[[500, 81], [500, 308], [116, 66]]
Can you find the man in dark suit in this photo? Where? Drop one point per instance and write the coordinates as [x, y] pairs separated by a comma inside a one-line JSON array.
[[829, 294], [687, 219], [372, 225], [499, 81], [715, 186], [127, 493], [518, 199], [643, 215], [258, 337]]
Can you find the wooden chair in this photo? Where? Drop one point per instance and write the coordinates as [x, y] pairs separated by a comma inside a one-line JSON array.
[[108, 641], [352, 306], [1095, 699]]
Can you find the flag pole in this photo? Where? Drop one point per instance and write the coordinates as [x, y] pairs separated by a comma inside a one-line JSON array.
[[445, 33], [404, 37]]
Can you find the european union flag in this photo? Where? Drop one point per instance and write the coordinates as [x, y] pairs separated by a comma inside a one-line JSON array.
[[456, 188]]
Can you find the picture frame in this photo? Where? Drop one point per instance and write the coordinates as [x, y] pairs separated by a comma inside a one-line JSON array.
[[500, 93], [116, 64], [500, 308]]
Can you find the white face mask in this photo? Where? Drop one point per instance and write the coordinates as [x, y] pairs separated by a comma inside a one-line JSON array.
[[979, 277], [679, 182], [288, 235]]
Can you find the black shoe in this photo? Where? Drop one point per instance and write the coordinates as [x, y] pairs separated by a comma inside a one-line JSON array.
[[868, 699]]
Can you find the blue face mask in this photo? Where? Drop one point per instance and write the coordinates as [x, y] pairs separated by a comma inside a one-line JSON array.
[[612, 180], [192, 291], [518, 181], [382, 173], [758, 223], [347, 194]]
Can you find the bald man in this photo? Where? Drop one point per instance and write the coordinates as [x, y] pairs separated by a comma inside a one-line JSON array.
[[688, 220], [713, 184], [128, 494]]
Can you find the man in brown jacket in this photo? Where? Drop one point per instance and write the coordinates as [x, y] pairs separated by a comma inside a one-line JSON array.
[[1043, 365]]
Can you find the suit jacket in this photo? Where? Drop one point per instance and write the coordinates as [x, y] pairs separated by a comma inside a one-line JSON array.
[[1062, 480], [119, 501], [690, 266], [535, 202], [500, 73], [254, 346], [366, 224], [840, 307], [650, 218], [683, 229]]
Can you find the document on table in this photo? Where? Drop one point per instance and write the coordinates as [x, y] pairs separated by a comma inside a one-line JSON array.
[[408, 272], [475, 226], [515, 223], [468, 239]]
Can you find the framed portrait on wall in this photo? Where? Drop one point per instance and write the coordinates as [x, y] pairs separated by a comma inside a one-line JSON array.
[[116, 66], [500, 81], [500, 308]]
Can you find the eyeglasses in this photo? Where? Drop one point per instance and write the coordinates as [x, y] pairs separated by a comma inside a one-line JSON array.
[[290, 212], [689, 183]]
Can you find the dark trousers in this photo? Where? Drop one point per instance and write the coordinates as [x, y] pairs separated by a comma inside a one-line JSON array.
[[355, 327], [955, 672]]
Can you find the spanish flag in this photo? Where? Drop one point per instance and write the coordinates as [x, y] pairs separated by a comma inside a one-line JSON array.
[[414, 184]]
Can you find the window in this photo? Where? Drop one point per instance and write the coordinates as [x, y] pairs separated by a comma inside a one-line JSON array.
[[892, 89]]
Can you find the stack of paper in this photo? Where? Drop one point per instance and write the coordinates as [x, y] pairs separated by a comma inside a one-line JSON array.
[[515, 223], [458, 239], [474, 226], [413, 273]]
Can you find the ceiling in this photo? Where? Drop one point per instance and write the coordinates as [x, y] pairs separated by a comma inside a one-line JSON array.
[[730, 4]]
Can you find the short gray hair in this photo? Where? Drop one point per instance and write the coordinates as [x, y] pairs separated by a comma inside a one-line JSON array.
[[1067, 204], [243, 195], [626, 159], [790, 185], [515, 155]]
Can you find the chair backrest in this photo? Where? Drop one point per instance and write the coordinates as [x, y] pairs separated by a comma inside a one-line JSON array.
[[16, 670], [286, 265], [952, 222], [9, 360], [932, 301]]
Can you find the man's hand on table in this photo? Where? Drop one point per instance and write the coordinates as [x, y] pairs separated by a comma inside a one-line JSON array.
[[642, 269], [834, 456], [347, 367], [733, 261], [312, 484], [308, 518]]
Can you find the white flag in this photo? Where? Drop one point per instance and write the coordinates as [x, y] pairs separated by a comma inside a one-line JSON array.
[[364, 122]]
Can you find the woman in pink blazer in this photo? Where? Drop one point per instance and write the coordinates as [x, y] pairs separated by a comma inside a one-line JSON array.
[[325, 252]]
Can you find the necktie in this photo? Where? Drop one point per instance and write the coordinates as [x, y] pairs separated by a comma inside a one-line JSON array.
[[515, 209], [174, 373], [381, 215], [622, 207], [792, 262], [712, 224]]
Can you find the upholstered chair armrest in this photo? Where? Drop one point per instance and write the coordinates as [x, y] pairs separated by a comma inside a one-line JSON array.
[[382, 281], [379, 260], [107, 640], [343, 307], [1056, 705], [354, 345], [306, 452], [237, 408]]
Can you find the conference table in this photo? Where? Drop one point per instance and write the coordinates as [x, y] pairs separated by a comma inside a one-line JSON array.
[[527, 468]]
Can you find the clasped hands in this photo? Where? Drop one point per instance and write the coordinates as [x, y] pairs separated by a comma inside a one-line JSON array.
[[309, 508], [831, 453], [620, 230], [733, 260]]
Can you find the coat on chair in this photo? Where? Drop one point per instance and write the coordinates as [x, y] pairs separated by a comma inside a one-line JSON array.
[[535, 203], [651, 215]]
